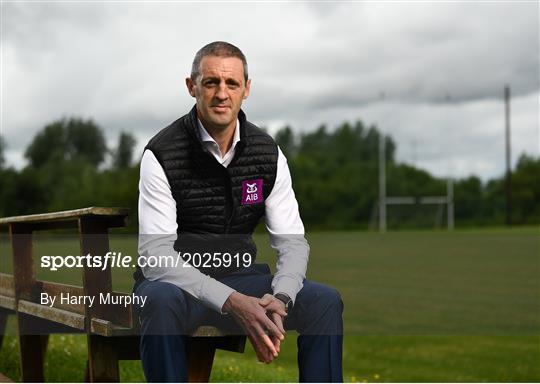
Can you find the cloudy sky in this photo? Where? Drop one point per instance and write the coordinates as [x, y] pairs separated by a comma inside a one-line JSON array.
[[429, 74]]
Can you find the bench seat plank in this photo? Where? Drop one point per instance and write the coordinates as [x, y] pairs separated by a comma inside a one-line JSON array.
[[65, 215]]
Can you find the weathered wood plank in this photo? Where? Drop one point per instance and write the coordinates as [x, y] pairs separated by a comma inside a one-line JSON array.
[[75, 213], [7, 286], [102, 360], [94, 240], [71, 319], [50, 225], [207, 331], [7, 302], [56, 289], [23, 265], [109, 329], [120, 315]]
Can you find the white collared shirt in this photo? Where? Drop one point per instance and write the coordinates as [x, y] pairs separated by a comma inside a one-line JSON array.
[[158, 225], [212, 146]]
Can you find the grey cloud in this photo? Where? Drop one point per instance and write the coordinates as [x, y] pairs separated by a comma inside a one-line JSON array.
[[389, 63], [419, 56]]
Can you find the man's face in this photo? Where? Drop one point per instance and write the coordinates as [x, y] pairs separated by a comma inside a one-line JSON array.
[[219, 91]]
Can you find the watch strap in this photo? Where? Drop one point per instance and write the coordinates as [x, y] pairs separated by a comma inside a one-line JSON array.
[[285, 299]]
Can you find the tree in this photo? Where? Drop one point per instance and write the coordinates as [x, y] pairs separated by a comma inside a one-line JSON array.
[[48, 144], [22, 192], [124, 152], [85, 140], [66, 140], [526, 190], [286, 141]]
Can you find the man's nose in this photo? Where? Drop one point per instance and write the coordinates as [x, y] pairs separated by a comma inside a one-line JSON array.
[[221, 93]]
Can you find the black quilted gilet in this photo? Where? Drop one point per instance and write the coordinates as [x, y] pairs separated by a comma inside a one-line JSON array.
[[208, 196]]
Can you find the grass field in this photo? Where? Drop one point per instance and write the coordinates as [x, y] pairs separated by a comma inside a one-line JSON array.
[[419, 306]]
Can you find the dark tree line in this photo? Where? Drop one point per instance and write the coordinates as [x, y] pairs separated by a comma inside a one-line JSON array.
[[335, 177], [66, 170]]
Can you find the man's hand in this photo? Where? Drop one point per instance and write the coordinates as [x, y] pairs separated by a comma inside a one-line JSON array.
[[275, 310], [251, 315]]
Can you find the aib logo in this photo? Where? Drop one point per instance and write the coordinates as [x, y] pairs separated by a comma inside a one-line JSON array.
[[252, 191], [251, 188]]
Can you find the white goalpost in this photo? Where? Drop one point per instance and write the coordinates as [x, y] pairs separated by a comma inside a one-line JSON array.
[[385, 200]]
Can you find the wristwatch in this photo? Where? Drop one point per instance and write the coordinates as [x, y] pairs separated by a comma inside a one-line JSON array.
[[283, 297]]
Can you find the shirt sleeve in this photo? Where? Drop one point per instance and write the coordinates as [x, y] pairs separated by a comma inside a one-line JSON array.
[[157, 234], [286, 232]]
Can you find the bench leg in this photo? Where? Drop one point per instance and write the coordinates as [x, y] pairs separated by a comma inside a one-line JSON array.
[[200, 356], [32, 357], [3, 323], [32, 352], [102, 360]]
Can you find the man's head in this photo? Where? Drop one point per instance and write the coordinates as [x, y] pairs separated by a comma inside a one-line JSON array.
[[219, 82]]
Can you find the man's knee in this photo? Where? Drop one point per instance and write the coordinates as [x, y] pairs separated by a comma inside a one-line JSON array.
[[329, 298], [319, 309], [165, 304], [161, 296], [319, 295]]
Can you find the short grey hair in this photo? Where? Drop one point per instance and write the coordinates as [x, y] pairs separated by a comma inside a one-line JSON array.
[[220, 49]]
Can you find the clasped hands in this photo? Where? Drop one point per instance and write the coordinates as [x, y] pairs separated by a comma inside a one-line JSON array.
[[262, 319]]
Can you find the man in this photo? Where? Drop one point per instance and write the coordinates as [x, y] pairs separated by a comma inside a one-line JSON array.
[[206, 182]]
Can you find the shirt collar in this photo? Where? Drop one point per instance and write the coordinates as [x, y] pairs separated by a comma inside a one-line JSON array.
[[206, 138]]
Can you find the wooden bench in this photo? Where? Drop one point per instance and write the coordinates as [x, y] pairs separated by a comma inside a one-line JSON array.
[[111, 331]]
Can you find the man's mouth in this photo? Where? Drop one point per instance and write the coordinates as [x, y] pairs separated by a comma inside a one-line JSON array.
[[220, 108]]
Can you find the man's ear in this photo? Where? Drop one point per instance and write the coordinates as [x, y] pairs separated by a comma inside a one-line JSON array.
[[190, 86], [248, 87]]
